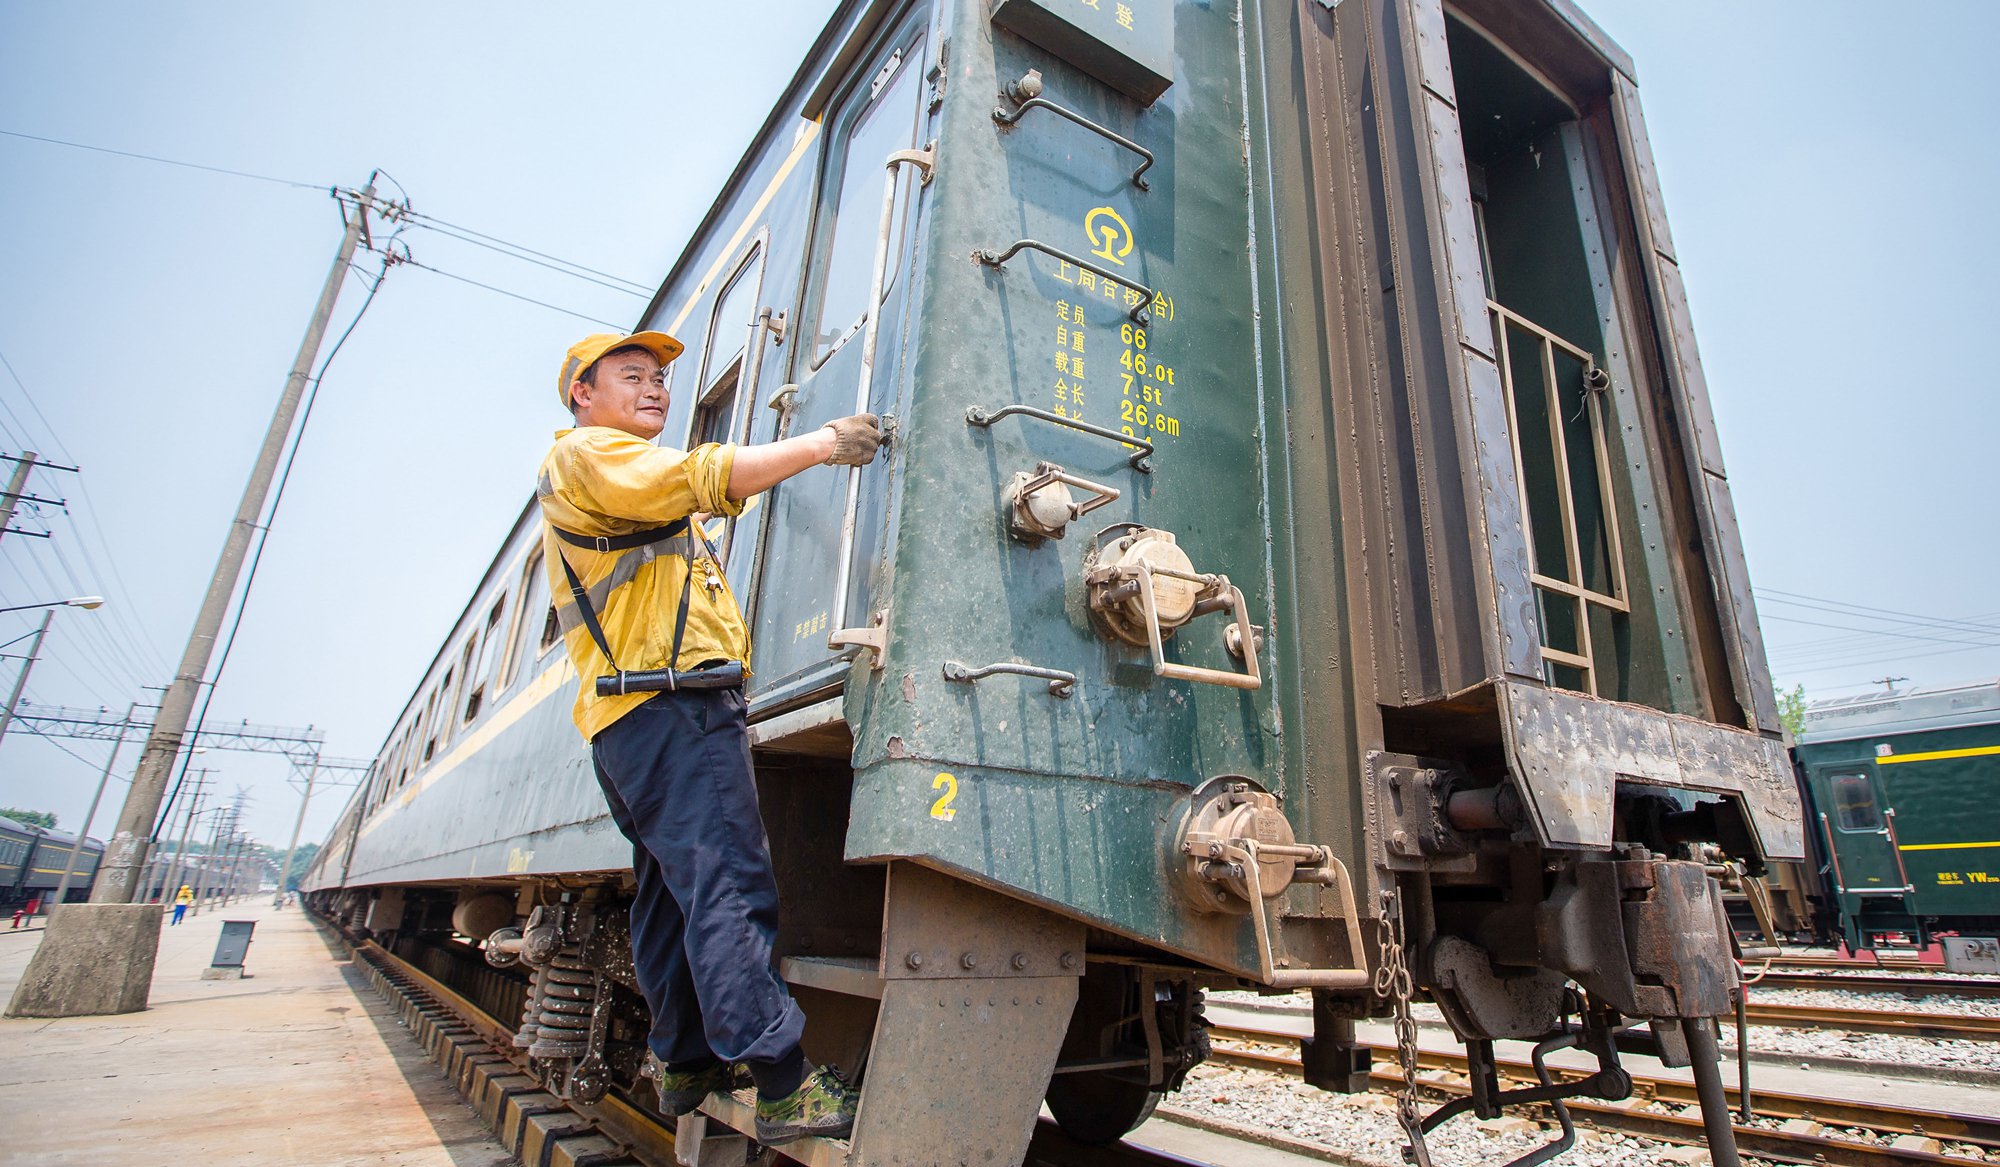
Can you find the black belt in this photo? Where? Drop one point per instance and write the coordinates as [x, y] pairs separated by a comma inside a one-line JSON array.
[[722, 675]]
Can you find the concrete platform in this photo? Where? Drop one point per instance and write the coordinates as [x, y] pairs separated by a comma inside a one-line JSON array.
[[298, 1064]]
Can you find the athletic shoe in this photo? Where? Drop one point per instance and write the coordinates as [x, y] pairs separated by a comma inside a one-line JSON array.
[[682, 1091], [823, 1106]]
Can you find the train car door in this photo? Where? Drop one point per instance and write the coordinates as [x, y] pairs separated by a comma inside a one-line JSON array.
[[1853, 820], [805, 544]]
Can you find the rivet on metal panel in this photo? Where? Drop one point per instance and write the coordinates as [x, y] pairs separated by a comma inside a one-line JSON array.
[[916, 960], [1020, 962], [969, 961], [1068, 961]]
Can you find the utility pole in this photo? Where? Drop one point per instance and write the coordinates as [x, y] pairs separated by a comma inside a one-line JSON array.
[[1889, 683], [232, 861], [101, 960], [285, 872], [89, 816], [21, 682], [243, 860], [224, 818], [17, 488], [172, 883], [126, 853]]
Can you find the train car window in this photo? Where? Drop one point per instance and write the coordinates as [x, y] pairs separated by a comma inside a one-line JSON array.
[[429, 734], [477, 676], [1854, 803], [881, 121], [533, 589], [551, 632], [714, 418], [441, 724], [715, 414], [465, 682]]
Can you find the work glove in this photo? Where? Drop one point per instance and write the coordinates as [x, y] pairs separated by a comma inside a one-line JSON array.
[[855, 440]]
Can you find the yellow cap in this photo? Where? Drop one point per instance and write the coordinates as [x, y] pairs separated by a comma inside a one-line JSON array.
[[585, 352]]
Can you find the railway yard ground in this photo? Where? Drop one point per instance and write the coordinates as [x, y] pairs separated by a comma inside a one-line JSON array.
[[324, 1055], [299, 1063]]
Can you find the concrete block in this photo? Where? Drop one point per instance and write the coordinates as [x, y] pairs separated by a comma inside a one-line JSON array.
[[230, 973], [592, 1149], [1802, 1126], [498, 1090], [518, 1109], [469, 1071], [1508, 1124], [1923, 1143], [543, 1130], [1692, 1156], [94, 959]]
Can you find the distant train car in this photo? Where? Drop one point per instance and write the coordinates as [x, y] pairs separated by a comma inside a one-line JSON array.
[[1304, 560], [1900, 790], [32, 860]]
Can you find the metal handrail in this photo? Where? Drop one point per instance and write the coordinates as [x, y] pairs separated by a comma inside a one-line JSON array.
[[1141, 460], [1061, 684], [1141, 312], [1001, 116]]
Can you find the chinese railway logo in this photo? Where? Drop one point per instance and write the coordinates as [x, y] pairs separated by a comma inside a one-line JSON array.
[[1110, 237]]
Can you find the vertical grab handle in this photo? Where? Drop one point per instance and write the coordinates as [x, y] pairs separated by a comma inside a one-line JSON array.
[[922, 160]]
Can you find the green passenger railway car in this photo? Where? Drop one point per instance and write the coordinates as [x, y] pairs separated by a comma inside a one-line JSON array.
[[1898, 785], [1304, 561]]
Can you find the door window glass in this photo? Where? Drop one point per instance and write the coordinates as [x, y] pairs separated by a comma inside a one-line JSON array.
[[886, 123], [1854, 803]]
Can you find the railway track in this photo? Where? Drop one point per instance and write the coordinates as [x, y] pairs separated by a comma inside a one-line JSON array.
[[1949, 1026], [1940, 985], [476, 1050], [1443, 1072]]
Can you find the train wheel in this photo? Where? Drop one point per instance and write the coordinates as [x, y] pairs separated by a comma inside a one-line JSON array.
[[1097, 1108]]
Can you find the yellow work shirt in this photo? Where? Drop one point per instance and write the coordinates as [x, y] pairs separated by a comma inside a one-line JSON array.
[[602, 481]]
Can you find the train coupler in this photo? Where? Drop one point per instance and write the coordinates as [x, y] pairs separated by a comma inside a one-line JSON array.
[[1610, 1083]]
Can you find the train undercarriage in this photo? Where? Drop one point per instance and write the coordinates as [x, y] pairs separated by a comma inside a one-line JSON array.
[[929, 989]]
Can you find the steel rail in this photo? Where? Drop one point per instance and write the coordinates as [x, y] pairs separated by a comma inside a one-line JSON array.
[[1882, 1117], [1913, 986], [1950, 1026], [1881, 963]]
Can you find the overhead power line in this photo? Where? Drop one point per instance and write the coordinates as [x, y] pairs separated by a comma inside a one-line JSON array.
[[166, 161], [529, 255], [510, 295]]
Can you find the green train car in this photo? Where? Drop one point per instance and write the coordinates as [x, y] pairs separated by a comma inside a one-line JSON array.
[[1896, 785], [1304, 561]]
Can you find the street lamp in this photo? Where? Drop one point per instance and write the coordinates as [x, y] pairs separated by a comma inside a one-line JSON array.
[[21, 682], [72, 602]]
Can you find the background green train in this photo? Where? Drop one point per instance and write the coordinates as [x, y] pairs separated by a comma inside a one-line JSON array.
[[1304, 557], [1900, 793]]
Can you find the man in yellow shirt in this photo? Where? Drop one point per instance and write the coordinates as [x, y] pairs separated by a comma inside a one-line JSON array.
[[660, 647]]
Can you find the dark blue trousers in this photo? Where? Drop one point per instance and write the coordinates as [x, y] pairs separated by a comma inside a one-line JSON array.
[[676, 772]]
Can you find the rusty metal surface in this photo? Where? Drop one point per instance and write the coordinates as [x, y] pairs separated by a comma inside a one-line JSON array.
[[940, 927], [952, 1030], [1568, 752], [1742, 636]]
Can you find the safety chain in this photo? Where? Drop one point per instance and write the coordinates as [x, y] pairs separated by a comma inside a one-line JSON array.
[[1393, 980]]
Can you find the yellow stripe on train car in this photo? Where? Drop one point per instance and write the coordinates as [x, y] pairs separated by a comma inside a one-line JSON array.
[[1939, 756]]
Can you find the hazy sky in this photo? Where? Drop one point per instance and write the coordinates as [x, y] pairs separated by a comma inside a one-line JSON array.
[[1826, 172]]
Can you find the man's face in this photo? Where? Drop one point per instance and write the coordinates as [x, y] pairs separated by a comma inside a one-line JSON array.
[[628, 392]]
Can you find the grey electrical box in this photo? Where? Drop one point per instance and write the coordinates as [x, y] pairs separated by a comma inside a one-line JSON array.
[[234, 945], [1127, 44], [1971, 954]]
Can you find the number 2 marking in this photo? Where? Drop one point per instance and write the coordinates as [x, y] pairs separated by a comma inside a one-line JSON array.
[[941, 810]]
